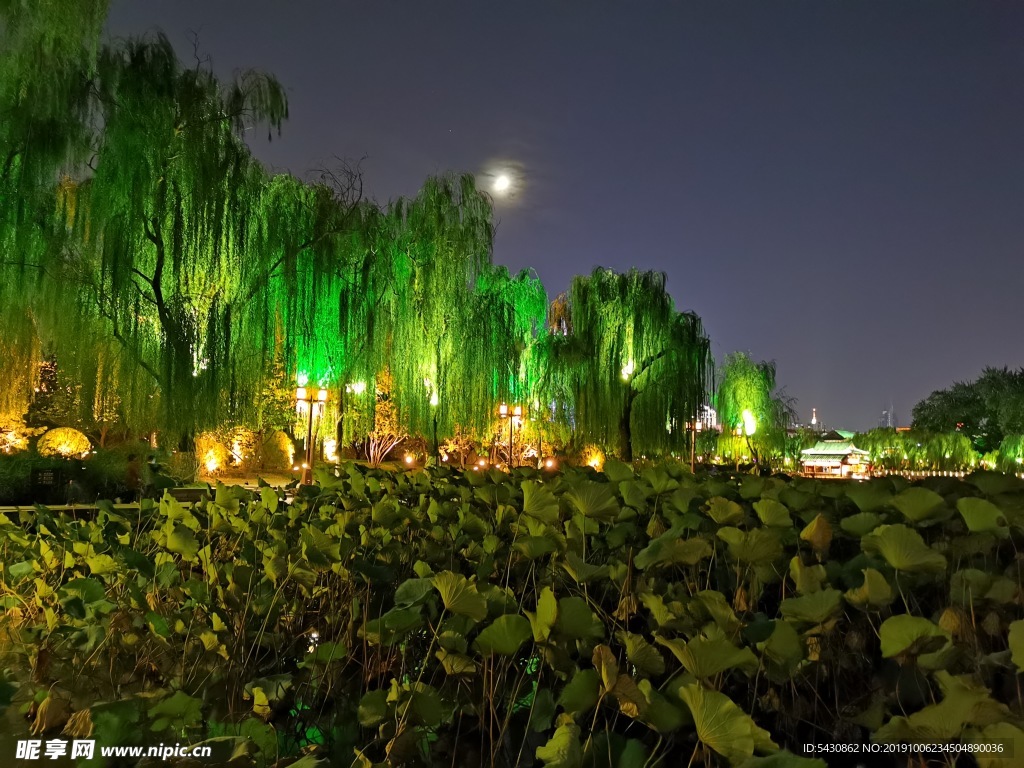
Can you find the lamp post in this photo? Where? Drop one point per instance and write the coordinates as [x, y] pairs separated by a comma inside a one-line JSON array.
[[307, 400], [739, 433], [695, 426], [515, 413]]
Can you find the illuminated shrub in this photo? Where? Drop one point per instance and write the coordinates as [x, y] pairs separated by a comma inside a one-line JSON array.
[[65, 442], [213, 456], [593, 456], [278, 451]]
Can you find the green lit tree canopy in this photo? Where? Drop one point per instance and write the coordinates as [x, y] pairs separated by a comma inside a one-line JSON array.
[[170, 283], [747, 399], [636, 369], [986, 409]]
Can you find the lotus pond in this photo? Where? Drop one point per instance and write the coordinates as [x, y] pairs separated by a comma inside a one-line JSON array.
[[624, 619]]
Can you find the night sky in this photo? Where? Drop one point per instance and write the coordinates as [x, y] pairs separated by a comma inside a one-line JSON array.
[[838, 186]]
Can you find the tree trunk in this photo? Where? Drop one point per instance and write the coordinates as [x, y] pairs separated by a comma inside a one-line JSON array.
[[626, 427]]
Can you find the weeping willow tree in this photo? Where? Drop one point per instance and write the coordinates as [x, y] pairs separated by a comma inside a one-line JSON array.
[[917, 449], [48, 51], [747, 401], [637, 369], [162, 258], [426, 302]]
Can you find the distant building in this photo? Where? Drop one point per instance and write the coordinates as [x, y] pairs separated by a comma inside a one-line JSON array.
[[888, 419], [708, 417], [834, 456]]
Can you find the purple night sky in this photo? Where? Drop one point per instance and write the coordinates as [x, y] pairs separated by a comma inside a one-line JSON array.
[[835, 186]]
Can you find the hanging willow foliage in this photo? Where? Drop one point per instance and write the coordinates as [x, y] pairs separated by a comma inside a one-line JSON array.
[[48, 52], [180, 287], [159, 261], [636, 369]]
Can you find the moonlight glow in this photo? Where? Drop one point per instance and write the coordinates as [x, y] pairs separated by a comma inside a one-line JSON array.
[[502, 183]]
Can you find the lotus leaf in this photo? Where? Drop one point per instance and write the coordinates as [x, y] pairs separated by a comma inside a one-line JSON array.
[[593, 500], [919, 505], [617, 471], [706, 657], [724, 727], [795, 499], [1007, 735], [720, 611], [910, 635], [392, 626], [760, 546], [723, 511], [460, 596], [183, 542], [533, 547], [861, 524], [641, 654], [539, 502], [659, 480], [874, 594], [563, 749], [543, 621], [818, 533], [807, 578], [994, 483], [504, 635], [871, 495], [963, 703], [784, 649], [669, 549], [582, 692], [773, 513], [661, 714], [413, 592], [1016, 641], [815, 608], [581, 571], [635, 494], [903, 549], [982, 516], [576, 620]]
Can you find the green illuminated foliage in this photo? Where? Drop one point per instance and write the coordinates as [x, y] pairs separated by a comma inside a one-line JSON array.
[[635, 369]]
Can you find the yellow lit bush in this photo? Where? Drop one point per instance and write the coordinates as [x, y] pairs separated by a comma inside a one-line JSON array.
[[593, 456], [213, 456], [63, 441], [278, 451]]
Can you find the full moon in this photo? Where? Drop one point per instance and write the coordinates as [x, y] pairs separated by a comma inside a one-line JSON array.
[[502, 183]]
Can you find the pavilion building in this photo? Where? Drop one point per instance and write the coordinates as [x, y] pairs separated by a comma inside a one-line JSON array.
[[834, 456]]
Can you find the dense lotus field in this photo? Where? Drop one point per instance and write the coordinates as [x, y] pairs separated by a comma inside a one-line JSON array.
[[624, 619]]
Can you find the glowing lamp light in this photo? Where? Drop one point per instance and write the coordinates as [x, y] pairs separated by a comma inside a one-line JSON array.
[[302, 378], [321, 395], [517, 411], [331, 449], [749, 423], [482, 462], [503, 410], [549, 463], [408, 458], [627, 370], [210, 461], [434, 399], [356, 388], [300, 393]]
